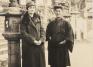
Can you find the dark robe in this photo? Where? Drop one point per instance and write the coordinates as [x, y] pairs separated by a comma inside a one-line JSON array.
[[31, 29], [58, 54]]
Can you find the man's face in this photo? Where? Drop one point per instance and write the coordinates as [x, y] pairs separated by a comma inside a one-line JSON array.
[[31, 10], [58, 12]]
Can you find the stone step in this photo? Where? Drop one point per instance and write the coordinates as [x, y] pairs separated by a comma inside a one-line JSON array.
[[4, 57], [4, 60], [3, 52], [2, 41], [3, 45]]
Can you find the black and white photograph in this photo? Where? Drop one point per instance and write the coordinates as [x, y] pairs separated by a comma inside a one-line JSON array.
[[46, 33]]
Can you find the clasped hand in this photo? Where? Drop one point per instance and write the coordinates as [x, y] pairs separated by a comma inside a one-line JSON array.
[[37, 42], [63, 42]]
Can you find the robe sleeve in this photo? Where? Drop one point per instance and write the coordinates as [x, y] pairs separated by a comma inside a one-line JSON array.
[[48, 32], [69, 37]]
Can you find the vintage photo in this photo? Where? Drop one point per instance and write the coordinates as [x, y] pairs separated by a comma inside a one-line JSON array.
[[46, 33]]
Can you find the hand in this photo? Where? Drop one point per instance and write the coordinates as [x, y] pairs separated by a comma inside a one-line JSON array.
[[37, 42], [49, 38], [62, 42]]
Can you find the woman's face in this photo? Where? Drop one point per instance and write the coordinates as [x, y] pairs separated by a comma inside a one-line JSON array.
[[31, 10], [58, 12]]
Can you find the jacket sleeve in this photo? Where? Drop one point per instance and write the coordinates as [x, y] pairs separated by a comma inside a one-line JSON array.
[[69, 37]]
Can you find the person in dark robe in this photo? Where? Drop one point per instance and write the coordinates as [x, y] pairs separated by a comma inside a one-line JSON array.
[[59, 35], [33, 37]]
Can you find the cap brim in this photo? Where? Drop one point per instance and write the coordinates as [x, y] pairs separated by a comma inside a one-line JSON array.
[[56, 7]]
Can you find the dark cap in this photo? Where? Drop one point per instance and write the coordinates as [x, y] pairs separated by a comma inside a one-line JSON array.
[[30, 3], [57, 6], [61, 6]]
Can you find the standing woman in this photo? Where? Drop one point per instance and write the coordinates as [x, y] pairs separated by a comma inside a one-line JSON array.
[[60, 39], [33, 36]]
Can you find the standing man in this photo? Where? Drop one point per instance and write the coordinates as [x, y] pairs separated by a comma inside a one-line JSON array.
[[60, 39], [33, 37]]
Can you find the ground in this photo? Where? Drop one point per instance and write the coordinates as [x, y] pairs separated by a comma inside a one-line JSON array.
[[82, 55]]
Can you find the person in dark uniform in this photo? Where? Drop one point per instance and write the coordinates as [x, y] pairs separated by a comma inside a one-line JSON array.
[[33, 37], [59, 35]]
